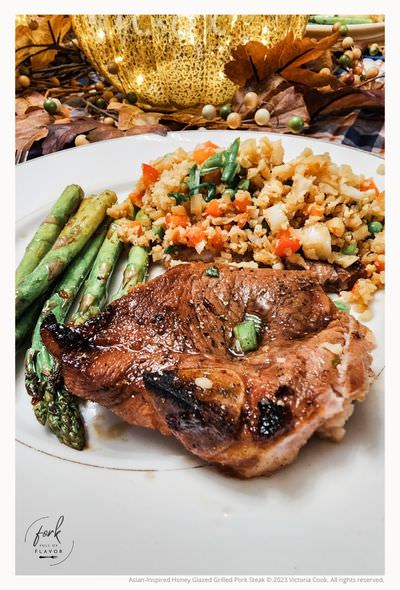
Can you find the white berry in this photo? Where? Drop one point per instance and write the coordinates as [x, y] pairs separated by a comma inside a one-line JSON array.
[[234, 120], [262, 117], [81, 140], [251, 100], [209, 112]]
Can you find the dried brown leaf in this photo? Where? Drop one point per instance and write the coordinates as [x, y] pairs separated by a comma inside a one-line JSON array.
[[31, 127], [255, 62], [130, 116], [285, 105], [23, 103], [63, 132], [108, 132], [29, 43], [60, 134], [344, 99]]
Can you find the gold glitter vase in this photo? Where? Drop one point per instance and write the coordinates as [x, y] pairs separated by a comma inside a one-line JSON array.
[[175, 60]]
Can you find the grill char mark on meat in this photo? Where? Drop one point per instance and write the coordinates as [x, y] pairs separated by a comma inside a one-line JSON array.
[[160, 357]]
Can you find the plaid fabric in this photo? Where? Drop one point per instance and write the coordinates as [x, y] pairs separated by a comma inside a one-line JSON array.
[[359, 129]]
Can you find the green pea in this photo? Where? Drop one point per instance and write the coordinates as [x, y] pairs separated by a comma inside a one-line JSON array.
[[374, 227], [350, 249]]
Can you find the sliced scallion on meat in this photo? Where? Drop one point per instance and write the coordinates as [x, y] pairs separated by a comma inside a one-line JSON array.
[[171, 249], [342, 306], [212, 271], [253, 317], [245, 335]]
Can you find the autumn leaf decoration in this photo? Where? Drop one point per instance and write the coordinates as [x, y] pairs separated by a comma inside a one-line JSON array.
[[279, 75], [41, 44], [254, 63]]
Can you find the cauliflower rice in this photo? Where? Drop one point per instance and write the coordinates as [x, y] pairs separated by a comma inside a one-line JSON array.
[[308, 208]]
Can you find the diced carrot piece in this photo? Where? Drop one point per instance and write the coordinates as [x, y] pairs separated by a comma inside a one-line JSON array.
[[195, 235], [286, 244], [149, 175], [241, 202], [204, 151], [136, 199], [138, 226], [217, 241], [213, 208], [380, 265], [176, 236], [368, 184], [176, 220]]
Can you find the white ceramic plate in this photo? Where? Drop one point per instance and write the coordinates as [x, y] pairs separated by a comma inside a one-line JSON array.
[[283, 525]]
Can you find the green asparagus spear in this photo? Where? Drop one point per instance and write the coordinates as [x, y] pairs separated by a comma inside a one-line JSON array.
[[96, 286], [135, 270], [48, 230], [41, 369], [63, 416], [70, 241]]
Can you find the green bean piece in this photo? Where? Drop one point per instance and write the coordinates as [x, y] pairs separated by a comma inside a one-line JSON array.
[[231, 164]]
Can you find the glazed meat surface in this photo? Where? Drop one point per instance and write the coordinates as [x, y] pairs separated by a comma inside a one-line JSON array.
[[162, 357]]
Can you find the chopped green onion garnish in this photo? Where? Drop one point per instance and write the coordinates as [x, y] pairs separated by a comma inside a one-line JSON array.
[[211, 190], [171, 249], [244, 184], [246, 336], [350, 249], [194, 176], [374, 227], [230, 192], [158, 231], [212, 272], [143, 217], [213, 163], [342, 306], [179, 197]]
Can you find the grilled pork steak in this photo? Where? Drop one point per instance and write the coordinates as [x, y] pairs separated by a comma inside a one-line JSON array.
[[163, 357], [332, 277]]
